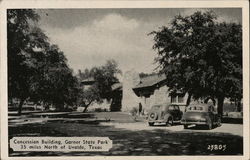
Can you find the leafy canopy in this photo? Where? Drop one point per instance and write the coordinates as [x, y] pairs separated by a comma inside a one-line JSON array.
[[37, 70], [104, 77], [201, 56]]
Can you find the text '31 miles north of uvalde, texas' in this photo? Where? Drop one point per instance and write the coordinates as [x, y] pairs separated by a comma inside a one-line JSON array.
[[68, 144]]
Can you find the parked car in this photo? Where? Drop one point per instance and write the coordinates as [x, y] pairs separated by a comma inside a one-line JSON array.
[[201, 114], [164, 113]]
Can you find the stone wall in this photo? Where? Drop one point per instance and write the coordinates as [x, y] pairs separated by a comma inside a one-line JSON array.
[[160, 96]]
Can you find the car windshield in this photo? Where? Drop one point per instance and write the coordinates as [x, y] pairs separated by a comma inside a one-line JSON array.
[[195, 109], [156, 107]]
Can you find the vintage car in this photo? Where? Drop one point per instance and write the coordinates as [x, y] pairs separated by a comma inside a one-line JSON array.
[[164, 113], [201, 114]]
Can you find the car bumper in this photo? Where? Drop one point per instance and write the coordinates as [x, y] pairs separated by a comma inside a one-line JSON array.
[[194, 122], [157, 121]]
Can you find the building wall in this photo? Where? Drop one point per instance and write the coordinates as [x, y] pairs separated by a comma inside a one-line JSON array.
[[160, 96], [182, 105]]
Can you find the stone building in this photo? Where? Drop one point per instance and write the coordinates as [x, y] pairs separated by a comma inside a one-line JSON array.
[[148, 91]]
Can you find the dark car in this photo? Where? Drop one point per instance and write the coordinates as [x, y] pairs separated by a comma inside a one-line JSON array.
[[165, 113], [201, 114]]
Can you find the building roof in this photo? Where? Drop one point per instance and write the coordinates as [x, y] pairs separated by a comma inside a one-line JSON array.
[[150, 81]]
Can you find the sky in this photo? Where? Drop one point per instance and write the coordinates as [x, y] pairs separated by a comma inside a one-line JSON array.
[[90, 37]]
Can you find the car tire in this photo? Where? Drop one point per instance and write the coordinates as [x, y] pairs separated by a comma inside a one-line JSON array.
[[185, 126], [150, 123], [170, 121], [153, 116]]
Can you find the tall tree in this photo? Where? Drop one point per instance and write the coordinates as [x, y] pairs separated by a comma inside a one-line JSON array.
[[21, 42], [37, 70], [58, 78], [201, 56]]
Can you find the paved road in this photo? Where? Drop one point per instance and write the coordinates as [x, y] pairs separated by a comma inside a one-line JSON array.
[[235, 129]]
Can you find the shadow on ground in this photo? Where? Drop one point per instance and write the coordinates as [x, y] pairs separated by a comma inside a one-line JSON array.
[[232, 120], [128, 142]]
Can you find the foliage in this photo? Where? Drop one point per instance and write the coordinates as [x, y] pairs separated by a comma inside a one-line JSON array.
[[134, 111], [104, 77], [201, 57], [37, 70], [58, 78]]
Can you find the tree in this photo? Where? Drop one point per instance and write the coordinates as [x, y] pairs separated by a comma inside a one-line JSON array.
[[37, 70], [21, 42], [104, 77], [57, 78], [201, 57]]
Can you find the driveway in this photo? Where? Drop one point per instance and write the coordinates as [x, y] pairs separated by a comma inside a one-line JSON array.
[[234, 129], [129, 137]]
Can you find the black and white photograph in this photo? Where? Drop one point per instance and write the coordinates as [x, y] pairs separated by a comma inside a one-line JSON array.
[[126, 81]]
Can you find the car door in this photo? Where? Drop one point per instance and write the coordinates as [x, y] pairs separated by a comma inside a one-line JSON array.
[[171, 111], [177, 113]]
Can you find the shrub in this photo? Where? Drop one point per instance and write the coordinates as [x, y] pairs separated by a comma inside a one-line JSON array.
[[133, 111]]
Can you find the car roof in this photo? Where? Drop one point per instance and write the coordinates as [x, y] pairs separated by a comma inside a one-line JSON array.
[[203, 105], [165, 105]]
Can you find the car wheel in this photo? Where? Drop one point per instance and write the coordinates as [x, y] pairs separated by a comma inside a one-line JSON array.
[[150, 123], [185, 126], [170, 121], [153, 116]]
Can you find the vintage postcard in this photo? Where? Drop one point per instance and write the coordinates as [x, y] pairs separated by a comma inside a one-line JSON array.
[[124, 80]]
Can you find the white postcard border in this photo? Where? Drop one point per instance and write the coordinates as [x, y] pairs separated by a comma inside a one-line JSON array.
[[123, 4]]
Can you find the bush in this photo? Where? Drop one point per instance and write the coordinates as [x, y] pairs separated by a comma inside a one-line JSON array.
[[133, 111]]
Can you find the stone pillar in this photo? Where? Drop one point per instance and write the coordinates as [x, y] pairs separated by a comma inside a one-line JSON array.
[[129, 98]]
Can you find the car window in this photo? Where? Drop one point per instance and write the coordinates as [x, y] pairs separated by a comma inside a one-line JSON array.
[[156, 107], [176, 108], [171, 108], [195, 109]]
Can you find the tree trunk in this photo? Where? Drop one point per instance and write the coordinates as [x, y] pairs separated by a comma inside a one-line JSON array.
[[238, 106], [86, 106], [220, 105], [85, 109], [20, 106], [188, 99]]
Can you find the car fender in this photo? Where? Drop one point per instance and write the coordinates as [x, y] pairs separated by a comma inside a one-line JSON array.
[[166, 117]]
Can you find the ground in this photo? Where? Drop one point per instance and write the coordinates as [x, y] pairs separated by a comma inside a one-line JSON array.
[[130, 135]]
